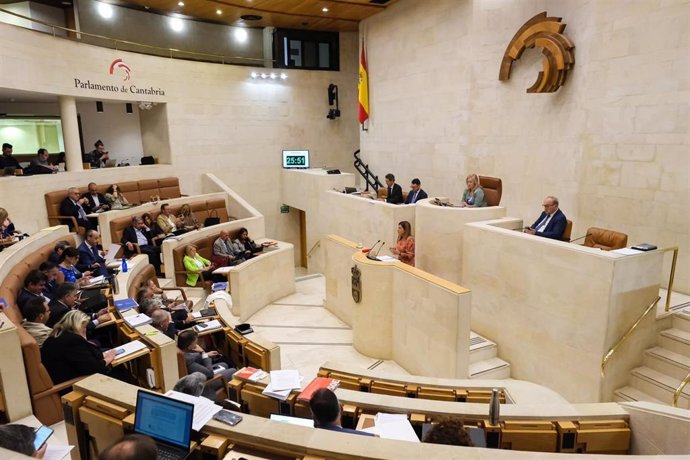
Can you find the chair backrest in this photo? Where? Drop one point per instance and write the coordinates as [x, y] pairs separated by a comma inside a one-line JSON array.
[[493, 189], [605, 239], [138, 280], [568, 230], [204, 246]]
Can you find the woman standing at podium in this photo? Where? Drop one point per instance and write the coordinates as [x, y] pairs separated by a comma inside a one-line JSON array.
[[404, 247]]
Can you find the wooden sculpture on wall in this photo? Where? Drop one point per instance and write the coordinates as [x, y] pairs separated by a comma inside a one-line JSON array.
[[557, 49]]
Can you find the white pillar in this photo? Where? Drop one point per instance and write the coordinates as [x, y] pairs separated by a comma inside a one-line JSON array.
[[70, 133]]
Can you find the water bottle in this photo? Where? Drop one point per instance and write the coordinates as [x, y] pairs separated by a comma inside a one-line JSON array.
[[494, 407], [124, 265]]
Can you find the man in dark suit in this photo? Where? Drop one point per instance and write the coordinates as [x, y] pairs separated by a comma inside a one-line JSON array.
[[97, 201], [34, 283], [416, 193], [90, 258], [137, 234], [551, 223], [394, 195], [66, 299], [326, 412], [7, 160], [73, 206]]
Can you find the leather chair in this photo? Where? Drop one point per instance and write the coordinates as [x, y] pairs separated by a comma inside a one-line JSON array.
[[493, 189], [143, 277], [382, 193], [568, 230], [605, 239], [204, 246]]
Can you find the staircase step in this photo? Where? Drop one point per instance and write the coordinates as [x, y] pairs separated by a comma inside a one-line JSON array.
[[633, 394], [481, 348], [667, 362], [675, 340], [493, 368], [681, 320], [659, 386]]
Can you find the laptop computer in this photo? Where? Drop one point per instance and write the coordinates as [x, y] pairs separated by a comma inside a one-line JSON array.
[[167, 421], [110, 163]]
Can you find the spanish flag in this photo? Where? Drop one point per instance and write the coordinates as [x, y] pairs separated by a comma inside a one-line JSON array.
[[363, 88]]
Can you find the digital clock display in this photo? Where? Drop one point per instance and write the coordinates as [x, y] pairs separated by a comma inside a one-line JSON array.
[[295, 159]]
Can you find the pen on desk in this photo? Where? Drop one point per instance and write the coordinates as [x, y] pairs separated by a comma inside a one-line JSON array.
[[2, 323]]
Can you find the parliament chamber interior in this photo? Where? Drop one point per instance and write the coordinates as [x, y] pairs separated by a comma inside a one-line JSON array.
[[265, 229]]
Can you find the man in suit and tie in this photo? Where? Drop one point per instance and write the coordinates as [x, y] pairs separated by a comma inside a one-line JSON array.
[[136, 234], [416, 193], [90, 257], [551, 223], [394, 195], [73, 206], [96, 200]]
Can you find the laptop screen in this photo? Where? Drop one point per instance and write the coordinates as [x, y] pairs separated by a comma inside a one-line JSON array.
[[164, 419]]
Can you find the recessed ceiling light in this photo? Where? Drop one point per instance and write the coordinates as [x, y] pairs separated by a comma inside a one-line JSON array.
[[251, 17], [324, 9], [180, 3], [219, 12]]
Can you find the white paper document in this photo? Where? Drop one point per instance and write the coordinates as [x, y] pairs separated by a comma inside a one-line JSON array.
[[208, 326], [129, 348], [112, 250], [387, 259], [287, 379], [626, 251], [281, 395], [57, 452], [224, 270], [96, 280], [204, 409], [394, 426], [137, 320]]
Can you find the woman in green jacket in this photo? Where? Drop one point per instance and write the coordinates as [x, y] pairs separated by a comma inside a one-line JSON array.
[[195, 264]]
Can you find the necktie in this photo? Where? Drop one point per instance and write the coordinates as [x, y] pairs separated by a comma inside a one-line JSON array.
[[414, 197], [82, 213], [94, 250]]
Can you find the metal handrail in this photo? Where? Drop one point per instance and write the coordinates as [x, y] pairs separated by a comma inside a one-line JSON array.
[[627, 334], [316, 245], [679, 390], [366, 173], [168, 51], [672, 275]]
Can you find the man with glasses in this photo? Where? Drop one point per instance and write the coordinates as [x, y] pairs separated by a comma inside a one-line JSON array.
[[551, 223]]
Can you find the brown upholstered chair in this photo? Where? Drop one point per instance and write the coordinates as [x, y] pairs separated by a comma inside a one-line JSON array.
[[221, 393], [568, 230], [605, 239], [143, 277], [493, 189], [204, 247]]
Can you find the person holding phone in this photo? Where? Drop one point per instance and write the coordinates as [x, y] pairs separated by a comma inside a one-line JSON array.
[[25, 440]]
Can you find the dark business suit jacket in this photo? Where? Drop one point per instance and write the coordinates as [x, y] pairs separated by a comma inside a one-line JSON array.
[[70, 208], [130, 236], [88, 258], [555, 228], [92, 203], [420, 196], [70, 356], [395, 195]]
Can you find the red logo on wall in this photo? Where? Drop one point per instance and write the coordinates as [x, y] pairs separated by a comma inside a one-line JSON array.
[[119, 64]]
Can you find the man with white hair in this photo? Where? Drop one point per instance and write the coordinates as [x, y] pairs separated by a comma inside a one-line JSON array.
[[161, 320], [551, 223], [192, 384], [73, 206]]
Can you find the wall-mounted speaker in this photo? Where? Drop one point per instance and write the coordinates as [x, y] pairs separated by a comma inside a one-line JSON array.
[[128, 107], [99, 106]]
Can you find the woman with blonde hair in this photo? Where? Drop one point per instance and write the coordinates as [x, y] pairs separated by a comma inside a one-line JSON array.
[[196, 265], [7, 230], [188, 218], [404, 247], [473, 196], [67, 353]]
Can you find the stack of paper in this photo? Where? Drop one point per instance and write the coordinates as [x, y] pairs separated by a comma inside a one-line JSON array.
[[128, 348], [208, 326], [137, 320], [204, 408], [393, 426], [95, 281], [282, 383]]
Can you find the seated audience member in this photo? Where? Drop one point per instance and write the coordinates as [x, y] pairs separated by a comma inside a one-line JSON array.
[[154, 231], [189, 220], [34, 283], [68, 270], [136, 234], [191, 384], [7, 160], [450, 432], [151, 291], [416, 193], [7, 230], [149, 302], [97, 201], [198, 360], [51, 271], [58, 249], [326, 411], [67, 299], [245, 247], [67, 353], [115, 198], [167, 222], [90, 255], [98, 156], [473, 196], [20, 439], [196, 265], [36, 313], [551, 223], [404, 247], [225, 253], [131, 447], [394, 191], [40, 164], [162, 320], [74, 206]]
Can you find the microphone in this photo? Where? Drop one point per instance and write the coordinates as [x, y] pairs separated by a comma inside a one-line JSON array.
[[372, 247], [372, 255], [582, 237]]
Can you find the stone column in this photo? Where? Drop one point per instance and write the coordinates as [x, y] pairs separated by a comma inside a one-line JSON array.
[[70, 133]]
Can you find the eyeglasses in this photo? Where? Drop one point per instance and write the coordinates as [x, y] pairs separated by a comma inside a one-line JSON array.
[[547, 205]]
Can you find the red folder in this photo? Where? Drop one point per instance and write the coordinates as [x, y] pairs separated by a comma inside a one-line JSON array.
[[317, 384]]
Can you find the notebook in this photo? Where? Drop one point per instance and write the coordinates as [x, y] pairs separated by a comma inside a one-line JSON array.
[[167, 421]]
